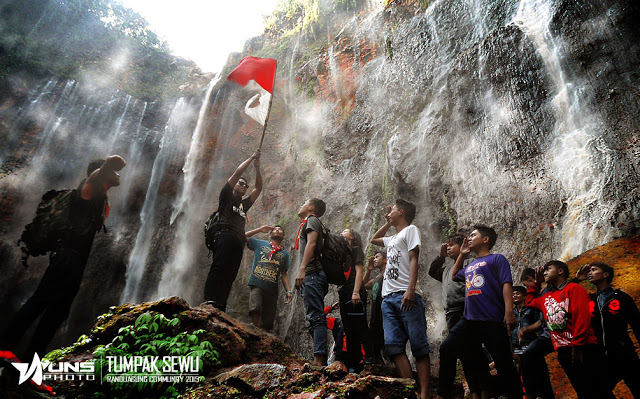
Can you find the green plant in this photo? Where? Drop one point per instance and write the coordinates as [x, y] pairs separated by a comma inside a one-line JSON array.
[[153, 336]]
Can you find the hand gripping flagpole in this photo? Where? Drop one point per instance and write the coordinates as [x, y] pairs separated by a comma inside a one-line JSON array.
[[264, 128]]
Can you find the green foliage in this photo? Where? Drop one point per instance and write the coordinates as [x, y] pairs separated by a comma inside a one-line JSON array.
[[153, 334], [451, 229], [67, 37]]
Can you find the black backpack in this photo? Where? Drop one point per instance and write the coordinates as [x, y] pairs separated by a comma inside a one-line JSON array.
[[51, 224], [210, 227], [336, 257]]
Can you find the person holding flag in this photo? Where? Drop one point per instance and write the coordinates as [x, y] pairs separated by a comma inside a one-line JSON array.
[[228, 230], [229, 237]]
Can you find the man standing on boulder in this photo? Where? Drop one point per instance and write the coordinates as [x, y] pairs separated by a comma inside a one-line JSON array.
[[229, 238], [89, 209], [270, 261]]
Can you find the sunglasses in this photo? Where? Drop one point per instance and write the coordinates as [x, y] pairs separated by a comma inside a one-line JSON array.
[[243, 184]]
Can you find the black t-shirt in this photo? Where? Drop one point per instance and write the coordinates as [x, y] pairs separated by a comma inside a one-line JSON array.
[[232, 210], [359, 260], [312, 224], [87, 216]]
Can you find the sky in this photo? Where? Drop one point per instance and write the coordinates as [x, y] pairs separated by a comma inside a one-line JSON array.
[[204, 31]]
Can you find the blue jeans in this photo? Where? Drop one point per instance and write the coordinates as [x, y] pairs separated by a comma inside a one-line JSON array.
[[313, 293], [400, 326]]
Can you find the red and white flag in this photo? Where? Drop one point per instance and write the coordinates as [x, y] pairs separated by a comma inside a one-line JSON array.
[[256, 74]]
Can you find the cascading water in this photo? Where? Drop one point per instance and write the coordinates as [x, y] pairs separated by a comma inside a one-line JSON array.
[[581, 161], [189, 203], [173, 133]]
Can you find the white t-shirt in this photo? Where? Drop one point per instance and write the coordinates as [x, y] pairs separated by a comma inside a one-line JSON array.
[[396, 276]]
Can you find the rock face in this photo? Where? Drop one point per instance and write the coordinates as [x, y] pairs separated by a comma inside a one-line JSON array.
[[517, 114], [253, 364]]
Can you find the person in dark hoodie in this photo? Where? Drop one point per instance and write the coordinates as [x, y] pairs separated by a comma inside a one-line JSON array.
[[612, 311]]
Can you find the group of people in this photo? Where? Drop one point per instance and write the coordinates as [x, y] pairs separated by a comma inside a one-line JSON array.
[[489, 320]]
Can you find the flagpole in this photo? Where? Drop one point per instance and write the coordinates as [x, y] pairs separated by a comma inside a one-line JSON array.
[[264, 128]]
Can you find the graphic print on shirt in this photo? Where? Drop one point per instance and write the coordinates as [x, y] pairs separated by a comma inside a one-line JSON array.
[[557, 320], [267, 269], [240, 210], [475, 281], [393, 263]]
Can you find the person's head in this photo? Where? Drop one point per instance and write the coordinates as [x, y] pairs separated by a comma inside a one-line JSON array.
[[556, 272], [241, 187], [402, 209], [94, 165], [353, 237], [599, 271], [519, 294], [313, 206], [107, 176], [453, 245], [528, 277], [380, 259], [277, 233], [482, 236]]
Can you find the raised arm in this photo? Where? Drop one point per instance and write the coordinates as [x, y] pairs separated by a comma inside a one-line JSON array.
[[368, 282], [242, 168], [102, 175], [264, 229], [377, 237], [464, 253], [436, 270], [258, 188]]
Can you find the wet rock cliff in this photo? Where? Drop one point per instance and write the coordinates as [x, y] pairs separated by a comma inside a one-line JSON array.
[[517, 114]]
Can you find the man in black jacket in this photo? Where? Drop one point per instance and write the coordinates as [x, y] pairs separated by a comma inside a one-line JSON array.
[[611, 313]]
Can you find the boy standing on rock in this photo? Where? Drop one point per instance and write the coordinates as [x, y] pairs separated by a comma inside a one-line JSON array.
[[403, 310], [311, 280], [270, 262]]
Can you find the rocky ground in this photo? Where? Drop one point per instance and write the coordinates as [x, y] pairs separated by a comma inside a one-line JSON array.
[[252, 363]]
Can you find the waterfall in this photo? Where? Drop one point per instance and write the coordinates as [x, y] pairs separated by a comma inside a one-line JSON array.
[[189, 203], [189, 169], [580, 160], [148, 224]]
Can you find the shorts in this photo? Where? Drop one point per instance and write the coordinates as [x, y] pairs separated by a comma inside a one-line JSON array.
[[400, 327], [264, 304]]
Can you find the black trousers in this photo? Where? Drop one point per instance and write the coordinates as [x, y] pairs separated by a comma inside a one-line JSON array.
[[623, 364], [53, 298], [467, 335], [227, 256], [474, 364], [587, 376], [534, 370], [354, 319]]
